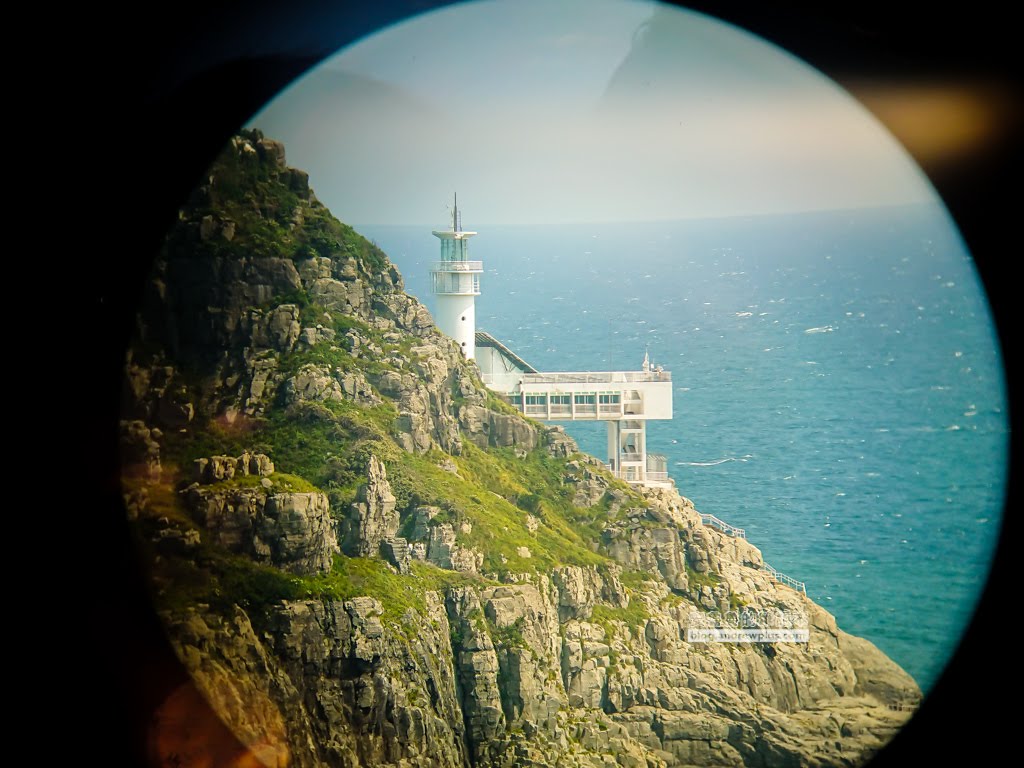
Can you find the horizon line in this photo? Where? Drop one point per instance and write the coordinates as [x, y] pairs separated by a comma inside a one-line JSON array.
[[937, 201]]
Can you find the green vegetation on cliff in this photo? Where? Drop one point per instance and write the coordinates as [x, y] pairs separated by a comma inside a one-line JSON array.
[[255, 221]]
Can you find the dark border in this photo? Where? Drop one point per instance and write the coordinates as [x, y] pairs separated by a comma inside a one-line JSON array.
[[163, 98]]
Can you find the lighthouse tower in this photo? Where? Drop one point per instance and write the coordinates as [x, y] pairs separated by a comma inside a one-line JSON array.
[[456, 284]]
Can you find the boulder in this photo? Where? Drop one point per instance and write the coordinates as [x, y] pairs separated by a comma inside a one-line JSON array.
[[291, 531]]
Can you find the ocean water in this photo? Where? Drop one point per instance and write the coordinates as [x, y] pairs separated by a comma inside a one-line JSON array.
[[838, 388]]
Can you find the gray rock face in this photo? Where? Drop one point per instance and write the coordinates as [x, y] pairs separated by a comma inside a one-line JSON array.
[[588, 486], [318, 383], [488, 428], [291, 531], [476, 667], [548, 671], [314, 269], [271, 150], [277, 329], [493, 676], [424, 400], [348, 297], [396, 552], [407, 313], [310, 337], [372, 519], [436, 543], [218, 468], [657, 550], [313, 382], [559, 444], [580, 589], [327, 684], [585, 665]]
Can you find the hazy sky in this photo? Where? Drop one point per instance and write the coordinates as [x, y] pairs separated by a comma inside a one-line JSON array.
[[540, 111]]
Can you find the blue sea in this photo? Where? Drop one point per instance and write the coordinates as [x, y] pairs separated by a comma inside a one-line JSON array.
[[838, 388]]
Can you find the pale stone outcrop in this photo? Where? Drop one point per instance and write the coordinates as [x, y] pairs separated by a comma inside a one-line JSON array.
[[292, 531], [372, 519]]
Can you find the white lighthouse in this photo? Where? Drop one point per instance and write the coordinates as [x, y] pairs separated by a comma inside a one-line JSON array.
[[456, 284]]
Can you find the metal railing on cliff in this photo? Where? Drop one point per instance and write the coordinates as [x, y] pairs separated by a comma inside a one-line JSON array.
[[739, 533], [723, 526]]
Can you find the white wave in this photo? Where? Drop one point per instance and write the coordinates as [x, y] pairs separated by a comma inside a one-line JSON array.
[[744, 314], [820, 329], [704, 463]]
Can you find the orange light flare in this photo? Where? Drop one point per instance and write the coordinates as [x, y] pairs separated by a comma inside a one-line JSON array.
[[942, 123], [185, 732]]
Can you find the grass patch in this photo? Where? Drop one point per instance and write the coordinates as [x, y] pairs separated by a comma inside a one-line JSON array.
[[280, 482], [634, 616], [223, 580], [702, 579], [508, 637], [636, 579]]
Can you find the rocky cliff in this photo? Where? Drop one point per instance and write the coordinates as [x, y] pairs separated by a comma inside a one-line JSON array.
[[364, 557]]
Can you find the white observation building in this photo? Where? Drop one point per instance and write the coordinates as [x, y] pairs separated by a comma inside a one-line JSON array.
[[456, 284]]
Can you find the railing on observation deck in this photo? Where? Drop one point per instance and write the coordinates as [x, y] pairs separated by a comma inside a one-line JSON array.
[[630, 477], [458, 266], [565, 409], [595, 377]]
